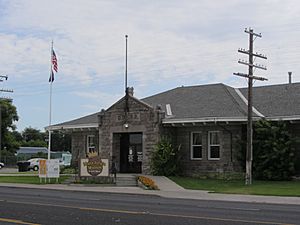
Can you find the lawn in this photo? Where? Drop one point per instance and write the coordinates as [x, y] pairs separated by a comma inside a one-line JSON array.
[[29, 179], [274, 188]]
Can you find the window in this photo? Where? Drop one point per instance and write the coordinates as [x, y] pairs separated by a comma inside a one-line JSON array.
[[214, 145], [196, 145], [90, 143]]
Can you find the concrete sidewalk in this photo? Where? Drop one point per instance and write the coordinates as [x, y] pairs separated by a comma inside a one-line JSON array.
[[168, 189]]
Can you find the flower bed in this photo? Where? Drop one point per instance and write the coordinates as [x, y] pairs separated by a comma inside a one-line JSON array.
[[147, 183]]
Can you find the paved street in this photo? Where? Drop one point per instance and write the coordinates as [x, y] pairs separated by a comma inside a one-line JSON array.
[[37, 206]]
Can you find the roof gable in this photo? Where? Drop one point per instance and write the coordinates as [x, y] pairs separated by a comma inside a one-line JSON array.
[[138, 101]]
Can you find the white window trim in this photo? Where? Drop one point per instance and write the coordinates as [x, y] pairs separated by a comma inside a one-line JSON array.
[[209, 145], [87, 143], [191, 141]]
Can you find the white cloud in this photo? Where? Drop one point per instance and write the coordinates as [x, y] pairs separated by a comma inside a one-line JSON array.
[[171, 43]]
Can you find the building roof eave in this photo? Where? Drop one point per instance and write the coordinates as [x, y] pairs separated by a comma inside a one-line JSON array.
[[73, 127], [226, 119], [284, 118], [204, 120]]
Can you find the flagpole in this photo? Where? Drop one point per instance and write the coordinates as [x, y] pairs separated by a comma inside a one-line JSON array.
[[50, 103], [126, 36]]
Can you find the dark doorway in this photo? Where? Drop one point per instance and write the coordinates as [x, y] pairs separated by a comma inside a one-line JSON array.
[[131, 152]]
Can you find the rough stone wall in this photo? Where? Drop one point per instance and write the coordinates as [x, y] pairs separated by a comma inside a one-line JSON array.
[[228, 158], [79, 144], [140, 119]]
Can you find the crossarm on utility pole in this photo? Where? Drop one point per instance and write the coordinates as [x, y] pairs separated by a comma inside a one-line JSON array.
[[250, 77]]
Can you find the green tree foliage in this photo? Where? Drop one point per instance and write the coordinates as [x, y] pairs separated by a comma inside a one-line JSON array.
[[273, 154], [60, 141], [32, 134], [165, 159], [32, 137], [8, 113]]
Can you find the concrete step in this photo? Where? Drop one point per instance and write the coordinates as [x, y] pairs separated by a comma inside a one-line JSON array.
[[128, 181]]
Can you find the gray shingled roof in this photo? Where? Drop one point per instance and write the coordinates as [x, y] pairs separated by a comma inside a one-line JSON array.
[[216, 102], [276, 100], [31, 150], [205, 101], [86, 121]]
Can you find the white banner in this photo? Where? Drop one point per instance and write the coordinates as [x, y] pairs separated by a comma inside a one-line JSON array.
[[49, 168], [53, 168]]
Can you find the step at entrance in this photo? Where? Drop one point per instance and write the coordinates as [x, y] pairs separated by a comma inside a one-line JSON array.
[[126, 180]]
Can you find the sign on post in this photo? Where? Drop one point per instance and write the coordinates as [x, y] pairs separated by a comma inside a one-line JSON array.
[[49, 168], [42, 168], [53, 168], [93, 166]]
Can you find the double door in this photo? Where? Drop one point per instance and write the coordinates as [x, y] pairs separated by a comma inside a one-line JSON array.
[[131, 153]]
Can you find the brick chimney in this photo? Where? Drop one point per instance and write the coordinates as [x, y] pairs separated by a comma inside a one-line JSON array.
[[130, 91], [290, 77]]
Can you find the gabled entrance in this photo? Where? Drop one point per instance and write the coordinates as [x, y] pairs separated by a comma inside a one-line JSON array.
[[131, 152]]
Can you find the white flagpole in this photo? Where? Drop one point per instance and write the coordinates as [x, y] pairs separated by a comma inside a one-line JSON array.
[[50, 103]]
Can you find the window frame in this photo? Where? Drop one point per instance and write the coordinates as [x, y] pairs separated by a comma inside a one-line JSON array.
[[90, 148], [214, 145], [192, 145]]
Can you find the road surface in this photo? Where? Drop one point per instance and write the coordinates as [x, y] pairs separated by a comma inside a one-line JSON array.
[[37, 206]]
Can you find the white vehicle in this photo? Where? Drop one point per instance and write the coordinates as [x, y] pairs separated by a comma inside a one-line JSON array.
[[1, 165], [34, 164]]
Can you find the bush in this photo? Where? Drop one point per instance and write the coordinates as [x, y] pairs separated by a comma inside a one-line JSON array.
[[273, 154], [67, 170], [165, 159]]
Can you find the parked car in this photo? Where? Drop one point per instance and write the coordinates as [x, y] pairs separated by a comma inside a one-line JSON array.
[[34, 164], [1, 165]]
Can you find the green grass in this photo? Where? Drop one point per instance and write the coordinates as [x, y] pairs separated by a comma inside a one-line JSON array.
[[29, 179], [273, 188]]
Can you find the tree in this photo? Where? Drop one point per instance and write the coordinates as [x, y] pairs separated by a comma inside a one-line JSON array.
[[32, 137], [17, 135], [274, 155], [32, 134], [60, 141], [8, 113]]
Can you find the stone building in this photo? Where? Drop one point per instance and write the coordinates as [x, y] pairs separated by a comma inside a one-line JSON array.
[[207, 121]]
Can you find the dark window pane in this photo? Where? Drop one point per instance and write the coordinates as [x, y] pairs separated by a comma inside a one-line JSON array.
[[214, 138], [197, 151], [197, 139], [135, 138], [214, 152]]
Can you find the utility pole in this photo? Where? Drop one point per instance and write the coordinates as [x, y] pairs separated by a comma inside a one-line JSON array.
[[251, 54], [2, 77]]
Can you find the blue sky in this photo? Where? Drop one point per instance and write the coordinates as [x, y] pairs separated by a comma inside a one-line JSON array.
[[171, 43]]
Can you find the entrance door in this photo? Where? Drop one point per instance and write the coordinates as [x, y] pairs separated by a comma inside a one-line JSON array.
[[131, 153]]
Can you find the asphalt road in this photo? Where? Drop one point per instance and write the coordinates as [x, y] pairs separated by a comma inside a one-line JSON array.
[[35, 206]]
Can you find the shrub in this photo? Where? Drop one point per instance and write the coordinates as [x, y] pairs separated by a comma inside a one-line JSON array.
[[273, 154], [67, 170], [165, 159]]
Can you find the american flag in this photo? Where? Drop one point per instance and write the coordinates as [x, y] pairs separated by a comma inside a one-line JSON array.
[[54, 61]]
